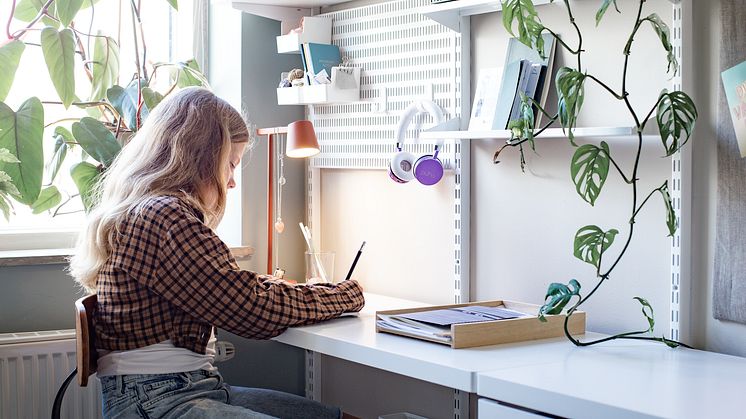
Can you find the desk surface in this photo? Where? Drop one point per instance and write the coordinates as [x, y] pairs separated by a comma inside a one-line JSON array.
[[355, 339], [625, 379]]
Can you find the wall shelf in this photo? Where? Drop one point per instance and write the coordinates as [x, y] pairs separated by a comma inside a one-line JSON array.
[[449, 14], [317, 94]]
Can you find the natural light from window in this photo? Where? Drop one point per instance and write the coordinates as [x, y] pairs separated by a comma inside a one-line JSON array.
[[168, 37]]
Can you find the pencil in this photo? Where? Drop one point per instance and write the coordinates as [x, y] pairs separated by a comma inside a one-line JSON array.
[[354, 262]]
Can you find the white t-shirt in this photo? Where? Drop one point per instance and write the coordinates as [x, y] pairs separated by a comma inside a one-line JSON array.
[[160, 358]]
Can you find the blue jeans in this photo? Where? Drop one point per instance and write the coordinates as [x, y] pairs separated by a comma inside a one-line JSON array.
[[200, 394]]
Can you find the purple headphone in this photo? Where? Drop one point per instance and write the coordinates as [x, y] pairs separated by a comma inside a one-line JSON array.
[[427, 169]]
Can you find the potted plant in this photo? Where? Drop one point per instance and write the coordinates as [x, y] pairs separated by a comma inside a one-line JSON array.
[[674, 113], [112, 112]]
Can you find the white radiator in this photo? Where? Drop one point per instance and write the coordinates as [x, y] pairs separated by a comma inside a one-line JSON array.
[[32, 368]]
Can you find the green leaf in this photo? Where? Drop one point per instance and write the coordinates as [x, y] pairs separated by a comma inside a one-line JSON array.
[[591, 242], [105, 66], [602, 10], [670, 343], [7, 157], [151, 98], [21, 133], [59, 54], [96, 140], [62, 139], [50, 197], [88, 3], [189, 74], [671, 222], [7, 186], [10, 56], [664, 34], [523, 14], [589, 169], [676, 115], [174, 4], [86, 176], [570, 93], [558, 295], [26, 11], [67, 9], [647, 311], [125, 101], [5, 207]]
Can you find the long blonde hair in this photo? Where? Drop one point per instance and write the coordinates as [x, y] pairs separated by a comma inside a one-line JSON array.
[[182, 148]]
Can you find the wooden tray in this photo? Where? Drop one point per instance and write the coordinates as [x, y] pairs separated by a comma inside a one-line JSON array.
[[468, 335]]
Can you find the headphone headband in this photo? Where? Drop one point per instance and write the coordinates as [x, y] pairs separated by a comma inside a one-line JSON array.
[[413, 109]]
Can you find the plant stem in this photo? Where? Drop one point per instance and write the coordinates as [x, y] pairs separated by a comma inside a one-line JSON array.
[[10, 19], [646, 200], [605, 86], [577, 30], [619, 169], [42, 12]]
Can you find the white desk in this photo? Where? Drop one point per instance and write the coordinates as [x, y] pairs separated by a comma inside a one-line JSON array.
[[614, 379], [355, 339], [625, 379]]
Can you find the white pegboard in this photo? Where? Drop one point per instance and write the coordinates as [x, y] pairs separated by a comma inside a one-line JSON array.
[[404, 54]]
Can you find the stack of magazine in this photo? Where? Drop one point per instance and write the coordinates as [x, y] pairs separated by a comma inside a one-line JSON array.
[[436, 324]]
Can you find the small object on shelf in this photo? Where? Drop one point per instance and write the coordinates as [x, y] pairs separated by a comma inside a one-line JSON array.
[[295, 73], [318, 57], [297, 83], [344, 88], [489, 332], [315, 29], [284, 83]]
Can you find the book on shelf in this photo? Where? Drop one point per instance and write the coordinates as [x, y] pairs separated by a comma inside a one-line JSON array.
[[436, 324], [318, 58], [524, 72], [734, 83]]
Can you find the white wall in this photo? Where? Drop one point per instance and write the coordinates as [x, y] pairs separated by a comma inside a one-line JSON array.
[[499, 246], [523, 225]]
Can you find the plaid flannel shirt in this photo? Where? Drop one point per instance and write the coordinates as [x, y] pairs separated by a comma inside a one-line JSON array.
[[170, 277]]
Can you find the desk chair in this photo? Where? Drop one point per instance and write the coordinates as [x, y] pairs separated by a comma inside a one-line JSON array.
[[86, 355]]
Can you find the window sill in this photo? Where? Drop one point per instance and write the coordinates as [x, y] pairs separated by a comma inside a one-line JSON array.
[[59, 256]]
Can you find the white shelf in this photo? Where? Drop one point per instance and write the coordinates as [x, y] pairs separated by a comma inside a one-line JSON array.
[[315, 29], [589, 132], [449, 14], [317, 94]]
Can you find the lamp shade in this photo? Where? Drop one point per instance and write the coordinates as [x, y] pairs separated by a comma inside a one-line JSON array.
[[301, 140]]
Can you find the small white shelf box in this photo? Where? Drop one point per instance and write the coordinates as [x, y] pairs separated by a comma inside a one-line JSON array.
[[449, 13], [589, 132], [317, 94], [315, 29]]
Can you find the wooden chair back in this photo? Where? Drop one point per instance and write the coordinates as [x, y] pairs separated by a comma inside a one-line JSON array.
[[85, 337]]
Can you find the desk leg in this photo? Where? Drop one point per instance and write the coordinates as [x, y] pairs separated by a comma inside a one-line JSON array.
[[461, 402], [313, 375]]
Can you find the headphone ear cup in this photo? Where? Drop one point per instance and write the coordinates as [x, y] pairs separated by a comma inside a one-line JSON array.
[[400, 168], [428, 170]]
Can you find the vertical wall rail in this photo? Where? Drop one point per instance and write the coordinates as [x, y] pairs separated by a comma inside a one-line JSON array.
[[681, 165]]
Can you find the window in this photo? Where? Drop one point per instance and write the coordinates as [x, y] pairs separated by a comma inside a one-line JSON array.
[[168, 38]]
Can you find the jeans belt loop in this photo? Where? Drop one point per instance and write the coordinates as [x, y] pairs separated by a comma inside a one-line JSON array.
[[120, 383]]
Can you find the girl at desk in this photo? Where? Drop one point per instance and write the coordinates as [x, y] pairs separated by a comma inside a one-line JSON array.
[[164, 280]]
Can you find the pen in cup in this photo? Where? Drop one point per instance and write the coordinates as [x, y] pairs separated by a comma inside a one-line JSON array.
[[354, 262]]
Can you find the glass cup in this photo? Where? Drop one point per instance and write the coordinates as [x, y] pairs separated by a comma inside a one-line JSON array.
[[319, 267]]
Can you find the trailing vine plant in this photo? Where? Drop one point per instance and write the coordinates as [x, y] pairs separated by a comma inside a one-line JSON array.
[[114, 112], [675, 115]]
